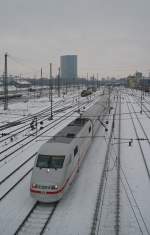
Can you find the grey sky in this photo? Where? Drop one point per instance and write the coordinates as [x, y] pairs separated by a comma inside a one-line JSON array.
[[110, 37]]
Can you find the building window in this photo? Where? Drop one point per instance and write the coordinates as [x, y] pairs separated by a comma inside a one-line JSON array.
[[75, 150], [89, 129]]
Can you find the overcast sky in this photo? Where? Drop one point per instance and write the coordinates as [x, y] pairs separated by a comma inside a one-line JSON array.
[[110, 37]]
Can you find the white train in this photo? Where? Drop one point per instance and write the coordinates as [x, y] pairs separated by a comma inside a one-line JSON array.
[[59, 158]]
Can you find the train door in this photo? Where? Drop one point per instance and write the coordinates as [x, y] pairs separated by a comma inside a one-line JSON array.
[[76, 156]]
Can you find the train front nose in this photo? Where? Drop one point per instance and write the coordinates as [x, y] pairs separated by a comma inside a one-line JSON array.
[[45, 193], [46, 188], [47, 178]]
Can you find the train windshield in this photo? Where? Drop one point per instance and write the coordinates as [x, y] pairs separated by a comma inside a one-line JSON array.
[[46, 161]]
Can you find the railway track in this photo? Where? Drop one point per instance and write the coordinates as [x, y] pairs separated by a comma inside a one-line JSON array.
[[139, 142], [96, 225], [41, 116], [123, 183], [143, 107], [28, 128], [25, 119], [127, 186], [95, 229], [31, 137], [7, 190], [138, 119], [37, 219], [118, 163]]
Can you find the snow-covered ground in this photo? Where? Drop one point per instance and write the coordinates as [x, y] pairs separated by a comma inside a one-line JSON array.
[[75, 211]]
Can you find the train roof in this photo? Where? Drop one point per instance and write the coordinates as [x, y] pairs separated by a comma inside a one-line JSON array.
[[67, 134], [97, 109], [61, 141], [54, 148]]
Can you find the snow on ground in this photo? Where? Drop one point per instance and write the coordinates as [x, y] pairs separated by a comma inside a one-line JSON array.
[[27, 107], [76, 209], [135, 171], [15, 208], [19, 197]]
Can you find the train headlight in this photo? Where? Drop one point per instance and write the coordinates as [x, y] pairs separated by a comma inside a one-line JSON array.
[[54, 187], [34, 186]]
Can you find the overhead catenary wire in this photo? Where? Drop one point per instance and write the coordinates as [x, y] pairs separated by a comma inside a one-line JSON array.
[[131, 191], [22, 63], [97, 136], [111, 115], [102, 187], [104, 190], [103, 198], [104, 193], [131, 206], [89, 116]]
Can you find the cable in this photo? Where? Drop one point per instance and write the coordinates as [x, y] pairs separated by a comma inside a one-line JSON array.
[[18, 61], [107, 115], [131, 206], [104, 192], [100, 136], [132, 195], [126, 191], [102, 203]]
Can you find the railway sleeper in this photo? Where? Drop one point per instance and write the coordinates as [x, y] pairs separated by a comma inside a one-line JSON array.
[[32, 227], [41, 213], [38, 220]]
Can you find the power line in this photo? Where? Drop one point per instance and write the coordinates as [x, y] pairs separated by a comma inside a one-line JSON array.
[[97, 136], [21, 62], [107, 115], [131, 191]]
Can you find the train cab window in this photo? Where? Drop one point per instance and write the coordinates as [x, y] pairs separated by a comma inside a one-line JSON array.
[[52, 162], [75, 150], [89, 129]]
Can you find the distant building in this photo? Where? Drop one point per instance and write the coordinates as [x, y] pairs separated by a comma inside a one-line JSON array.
[[68, 67], [138, 75], [134, 80]]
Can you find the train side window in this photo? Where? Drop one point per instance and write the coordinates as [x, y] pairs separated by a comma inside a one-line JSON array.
[[89, 129], [75, 150]]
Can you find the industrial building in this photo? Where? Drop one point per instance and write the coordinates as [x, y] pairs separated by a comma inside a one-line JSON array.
[[68, 67]]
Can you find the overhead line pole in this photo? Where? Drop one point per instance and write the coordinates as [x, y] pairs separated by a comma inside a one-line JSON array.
[[87, 77], [49, 83], [58, 78], [5, 82], [41, 81], [51, 93], [97, 80]]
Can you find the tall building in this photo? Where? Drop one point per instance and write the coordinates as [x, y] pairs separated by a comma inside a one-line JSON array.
[[68, 67]]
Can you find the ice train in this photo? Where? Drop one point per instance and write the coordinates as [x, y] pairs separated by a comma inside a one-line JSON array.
[[59, 159]]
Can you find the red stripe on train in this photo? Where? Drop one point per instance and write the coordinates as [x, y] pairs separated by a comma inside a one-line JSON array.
[[52, 192]]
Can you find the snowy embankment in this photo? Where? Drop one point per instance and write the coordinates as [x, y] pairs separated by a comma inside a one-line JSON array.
[[135, 216], [18, 202], [75, 211]]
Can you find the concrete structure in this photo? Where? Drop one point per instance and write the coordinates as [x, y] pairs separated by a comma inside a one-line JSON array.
[[68, 67]]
